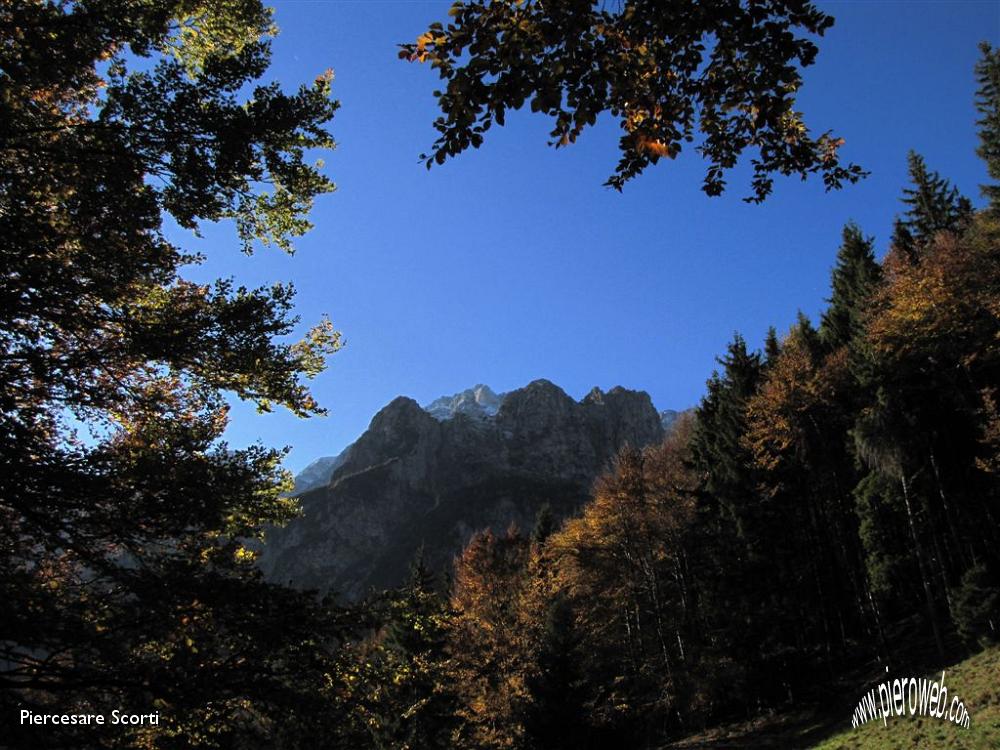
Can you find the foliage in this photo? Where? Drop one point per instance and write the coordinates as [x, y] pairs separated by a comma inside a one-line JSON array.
[[988, 106], [977, 606], [854, 279], [493, 639], [933, 205], [722, 73], [400, 682], [125, 559]]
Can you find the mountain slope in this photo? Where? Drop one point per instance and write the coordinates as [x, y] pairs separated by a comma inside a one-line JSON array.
[[412, 479]]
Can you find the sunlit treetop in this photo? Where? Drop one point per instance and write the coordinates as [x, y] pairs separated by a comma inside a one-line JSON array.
[[719, 76]]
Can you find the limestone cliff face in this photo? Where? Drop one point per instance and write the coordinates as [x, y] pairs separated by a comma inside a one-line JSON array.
[[412, 479]]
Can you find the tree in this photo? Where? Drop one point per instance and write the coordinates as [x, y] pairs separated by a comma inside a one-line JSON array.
[[492, 642], [933, 336], [723, 72], [557, 717], [988, 106], [934, 205], [409, 702], [623, 568], [545, 524], [124, 559], [977, 608], [853, 281]]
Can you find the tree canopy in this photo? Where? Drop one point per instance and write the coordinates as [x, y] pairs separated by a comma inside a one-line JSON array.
[[125, 564], [721, 75]]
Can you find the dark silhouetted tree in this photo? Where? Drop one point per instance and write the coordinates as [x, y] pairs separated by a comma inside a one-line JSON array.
[[724, 73], [125, 564]]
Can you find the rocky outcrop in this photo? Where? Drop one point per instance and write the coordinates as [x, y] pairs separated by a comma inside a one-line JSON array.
[[318, 473], [414, 480], [479, 401]]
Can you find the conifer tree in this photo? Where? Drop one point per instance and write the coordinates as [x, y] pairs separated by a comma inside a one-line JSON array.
[[730, 520], [772, 347], [988, 106], [852, 282], [557, 717], [934, 205], [545, 524], [977, 606], [412, 704]]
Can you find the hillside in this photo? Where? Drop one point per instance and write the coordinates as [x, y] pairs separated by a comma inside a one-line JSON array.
[[975, 680]]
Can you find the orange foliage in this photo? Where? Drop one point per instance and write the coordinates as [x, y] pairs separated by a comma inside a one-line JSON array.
[[947, 300], [491, 636], [785, 410]]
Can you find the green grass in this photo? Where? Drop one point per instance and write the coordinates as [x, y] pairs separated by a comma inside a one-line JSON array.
[[976, 681]]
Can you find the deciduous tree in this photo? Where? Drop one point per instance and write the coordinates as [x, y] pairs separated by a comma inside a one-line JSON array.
[[720, 75], [124, 561]]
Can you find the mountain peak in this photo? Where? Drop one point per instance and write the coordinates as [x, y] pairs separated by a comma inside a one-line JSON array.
[[479, 402], [421, 476]]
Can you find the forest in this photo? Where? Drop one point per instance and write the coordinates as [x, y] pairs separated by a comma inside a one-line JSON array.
[[833, 500]]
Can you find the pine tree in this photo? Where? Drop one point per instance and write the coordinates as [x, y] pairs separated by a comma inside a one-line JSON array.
[[934, 205], [988, 106], [854, 278], [412, 704]]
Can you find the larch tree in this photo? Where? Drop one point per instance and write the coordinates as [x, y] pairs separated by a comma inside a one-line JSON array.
[[492, 644]]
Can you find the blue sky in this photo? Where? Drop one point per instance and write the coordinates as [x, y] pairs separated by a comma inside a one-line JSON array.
[[513, 263]]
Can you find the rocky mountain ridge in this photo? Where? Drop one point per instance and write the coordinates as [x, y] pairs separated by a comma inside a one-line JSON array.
[[432, 476], [479, 401]]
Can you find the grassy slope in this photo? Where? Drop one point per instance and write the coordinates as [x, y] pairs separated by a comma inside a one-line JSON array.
[[976, 681]]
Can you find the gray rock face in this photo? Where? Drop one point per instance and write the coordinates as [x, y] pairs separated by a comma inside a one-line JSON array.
[[318, 473], [412, 479], [479, 401]]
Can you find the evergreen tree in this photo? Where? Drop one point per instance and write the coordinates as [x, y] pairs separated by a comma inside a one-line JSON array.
[[934, 205], [733, 590], [977, 606], [411, 704], [545, 524], [772, 347], [721, 423], [854, 279], [557, 717], [988, 106]]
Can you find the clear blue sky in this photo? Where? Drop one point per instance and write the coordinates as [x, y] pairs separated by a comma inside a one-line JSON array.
[[512, 263]]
